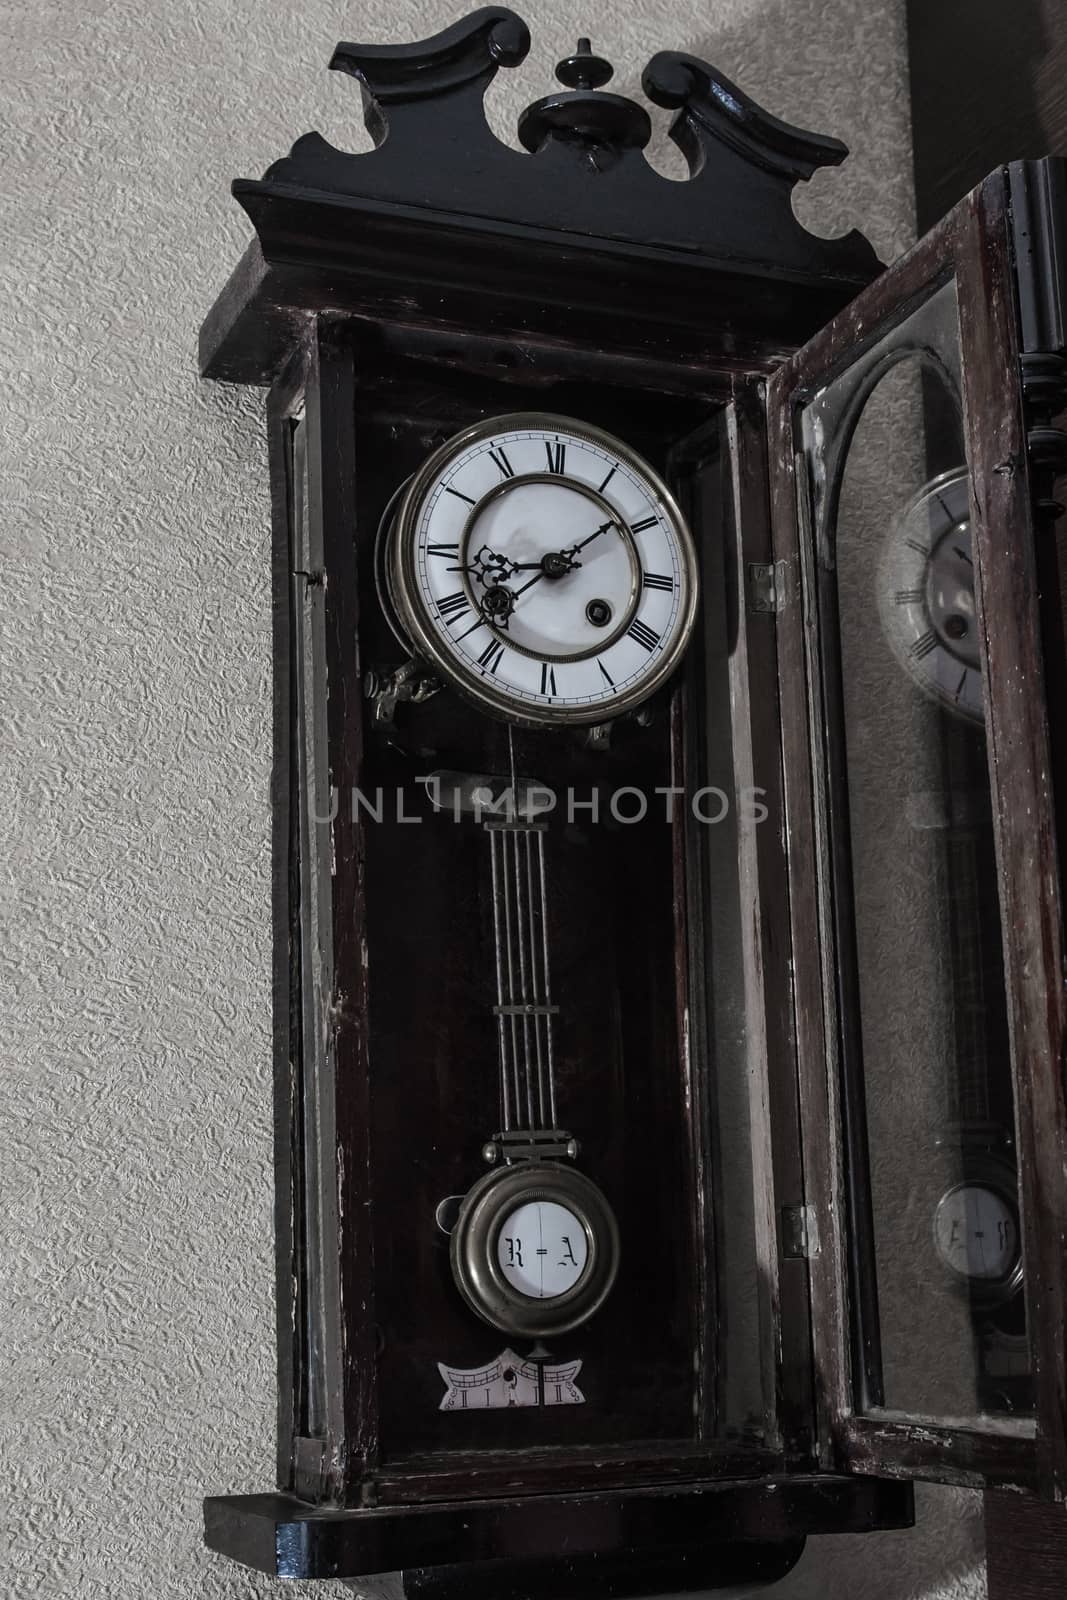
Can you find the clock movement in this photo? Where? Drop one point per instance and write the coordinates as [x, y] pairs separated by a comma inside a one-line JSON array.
[[668, 989]]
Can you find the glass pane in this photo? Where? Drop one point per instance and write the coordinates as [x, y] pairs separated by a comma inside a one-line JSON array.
[[922, 1008]]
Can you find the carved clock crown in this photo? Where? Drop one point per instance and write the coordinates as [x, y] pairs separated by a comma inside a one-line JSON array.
[[500, 217]]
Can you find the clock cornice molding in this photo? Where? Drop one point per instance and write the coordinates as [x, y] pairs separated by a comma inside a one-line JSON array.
[[353, 228]]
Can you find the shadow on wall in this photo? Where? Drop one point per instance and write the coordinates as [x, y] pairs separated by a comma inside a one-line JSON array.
[[941, 1558], [844, 75], [1003, 101]]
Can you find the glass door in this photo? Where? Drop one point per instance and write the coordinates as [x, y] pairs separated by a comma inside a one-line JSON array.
[[926, 916]]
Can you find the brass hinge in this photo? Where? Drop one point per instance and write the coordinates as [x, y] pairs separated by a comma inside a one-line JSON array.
[[800, 1233], [766, 586]]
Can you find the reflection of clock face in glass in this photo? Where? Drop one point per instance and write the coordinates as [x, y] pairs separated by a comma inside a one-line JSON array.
[[976, 1233], [544, 570], [542, 1249], [926, 595]]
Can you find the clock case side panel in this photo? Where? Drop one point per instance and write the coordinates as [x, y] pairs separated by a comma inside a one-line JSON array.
[[284, 406], [786, 1234], [975, 245], [745, 705], [1008, 445], [326, 1362]]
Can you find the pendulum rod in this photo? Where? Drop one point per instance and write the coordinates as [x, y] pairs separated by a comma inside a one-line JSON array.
[[506, 988], [526, 975], [524, 1008], [532, 901], [550, 1008], [506, 1012]]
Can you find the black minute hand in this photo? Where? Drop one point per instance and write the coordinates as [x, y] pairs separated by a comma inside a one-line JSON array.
[[604, 526], [567, 555], [571, 551]]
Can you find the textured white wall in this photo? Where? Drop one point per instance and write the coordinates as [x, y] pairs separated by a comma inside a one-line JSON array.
[[136, 1323]]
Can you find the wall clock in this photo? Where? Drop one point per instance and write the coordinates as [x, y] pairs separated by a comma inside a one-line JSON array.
[[588, 965]]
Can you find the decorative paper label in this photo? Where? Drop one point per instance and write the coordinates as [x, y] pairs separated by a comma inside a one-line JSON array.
[[510, 1381]]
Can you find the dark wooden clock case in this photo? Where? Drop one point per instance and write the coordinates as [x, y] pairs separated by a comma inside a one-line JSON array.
[[389, 299]]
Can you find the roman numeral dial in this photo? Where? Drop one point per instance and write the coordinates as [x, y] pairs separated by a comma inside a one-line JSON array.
[[542, 570]]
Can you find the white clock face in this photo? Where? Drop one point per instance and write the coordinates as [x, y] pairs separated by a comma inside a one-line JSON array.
[[976, 1233], [542, 1249], [926, 595], [544, 570]]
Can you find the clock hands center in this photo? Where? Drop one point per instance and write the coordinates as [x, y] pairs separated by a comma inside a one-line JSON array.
[[559, 562], [493, 570]]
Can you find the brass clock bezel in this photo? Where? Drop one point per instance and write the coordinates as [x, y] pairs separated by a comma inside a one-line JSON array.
[[473, 1250], [409, 611]]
